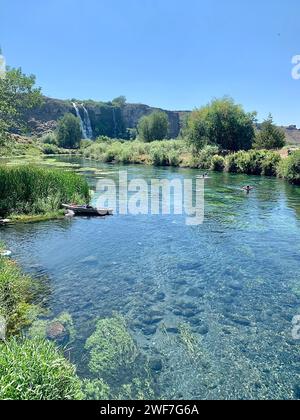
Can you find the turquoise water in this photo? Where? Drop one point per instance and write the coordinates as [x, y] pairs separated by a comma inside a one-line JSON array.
[[233, 281]]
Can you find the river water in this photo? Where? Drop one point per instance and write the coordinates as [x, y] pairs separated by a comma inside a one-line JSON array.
[[233, 281]]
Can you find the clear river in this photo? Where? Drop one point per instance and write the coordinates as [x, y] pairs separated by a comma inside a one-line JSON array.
[[233, 282]]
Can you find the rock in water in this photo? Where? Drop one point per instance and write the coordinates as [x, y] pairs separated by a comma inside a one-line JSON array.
[[57, 332]]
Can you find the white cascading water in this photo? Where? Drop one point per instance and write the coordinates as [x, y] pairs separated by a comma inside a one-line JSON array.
[[85, 124], [2, 65]]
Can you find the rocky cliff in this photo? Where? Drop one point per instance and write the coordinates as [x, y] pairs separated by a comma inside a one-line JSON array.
[[107, 119]]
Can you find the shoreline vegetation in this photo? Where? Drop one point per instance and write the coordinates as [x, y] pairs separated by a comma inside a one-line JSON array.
[[29, 193], [282, 163]]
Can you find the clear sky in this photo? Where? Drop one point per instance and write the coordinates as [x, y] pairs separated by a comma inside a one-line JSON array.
[[175, 54]]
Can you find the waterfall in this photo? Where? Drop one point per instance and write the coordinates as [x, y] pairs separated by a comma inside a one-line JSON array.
[[85, 123], [2, 65]]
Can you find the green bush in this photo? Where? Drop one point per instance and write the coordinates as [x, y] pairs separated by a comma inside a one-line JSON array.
[[153, 127], [217, 163], [50, 149], [203, 159], [49, 138], [32, 190], [253, 162], [35, 370], [289, 168]]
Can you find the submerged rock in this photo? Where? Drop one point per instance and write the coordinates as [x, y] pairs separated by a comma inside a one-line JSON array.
[[57, 332], [155, 365], [195, 292], [149, 330], [203, 330], [235, 285]]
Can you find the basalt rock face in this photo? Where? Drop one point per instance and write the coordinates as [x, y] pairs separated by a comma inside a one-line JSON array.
[[133, 112], [107, 119]]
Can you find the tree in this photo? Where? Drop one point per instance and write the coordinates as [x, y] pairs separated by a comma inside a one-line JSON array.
[[269, 136], [222, 123], [119, 101], [69, 132], [17, 95], [153, 127]]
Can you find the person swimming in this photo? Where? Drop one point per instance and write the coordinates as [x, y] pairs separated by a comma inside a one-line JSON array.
[[248, 188]]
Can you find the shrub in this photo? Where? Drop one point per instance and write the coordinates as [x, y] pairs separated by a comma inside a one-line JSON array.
[[50, 149], [203, 159], [49, 138], [217, 163], [35, 370], [86, 143], [32, 190], [289, 168], [270, 164], [153, 127], [254, 162]]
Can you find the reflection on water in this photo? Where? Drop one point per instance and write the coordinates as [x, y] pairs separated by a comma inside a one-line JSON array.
[[232, 283]]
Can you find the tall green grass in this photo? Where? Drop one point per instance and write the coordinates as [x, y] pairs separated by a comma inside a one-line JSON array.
[[15, 296], [36, 370], [32, 190], [158, 153]]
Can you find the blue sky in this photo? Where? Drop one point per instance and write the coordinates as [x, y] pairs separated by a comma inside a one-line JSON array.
[[175, 54]]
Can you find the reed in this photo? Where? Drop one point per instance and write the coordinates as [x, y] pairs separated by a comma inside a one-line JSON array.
[[29, 189]]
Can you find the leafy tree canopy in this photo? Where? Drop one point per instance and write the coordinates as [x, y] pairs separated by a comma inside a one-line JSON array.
[[269, 136], [120, 100], [69, 132], [153, 127], [17, 95], [222, 123]]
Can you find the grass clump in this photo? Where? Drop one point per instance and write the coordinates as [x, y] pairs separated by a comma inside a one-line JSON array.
[[35, 370], [32, 190], [15, 297]]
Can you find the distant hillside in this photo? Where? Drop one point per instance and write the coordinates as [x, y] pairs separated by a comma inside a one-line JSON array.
[[292, 135], [109, 119]]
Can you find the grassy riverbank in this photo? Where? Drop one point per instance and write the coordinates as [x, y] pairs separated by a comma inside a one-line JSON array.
[[176, 153], [30, 369], [29, 192]]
